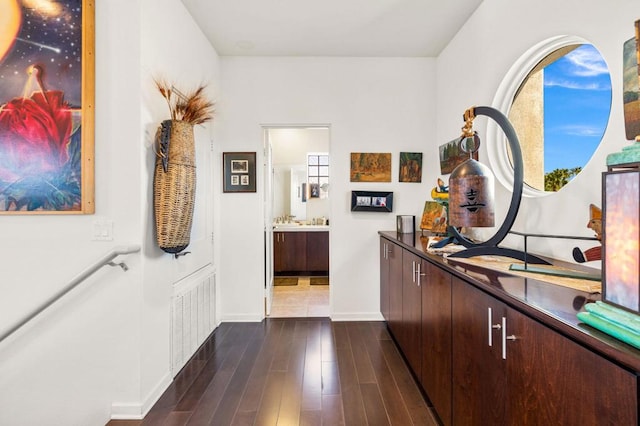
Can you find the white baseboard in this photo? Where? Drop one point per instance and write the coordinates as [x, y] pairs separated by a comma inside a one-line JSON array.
[[360, 316], [241, 318], [129, 411]]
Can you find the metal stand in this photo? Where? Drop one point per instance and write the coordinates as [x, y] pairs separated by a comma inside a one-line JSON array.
[[490, 247]]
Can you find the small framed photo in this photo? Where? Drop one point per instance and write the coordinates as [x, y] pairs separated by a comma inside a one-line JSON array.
[[371, 201], [239, 171]]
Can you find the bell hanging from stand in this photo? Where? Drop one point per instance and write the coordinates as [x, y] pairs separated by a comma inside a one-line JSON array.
[[471, 185]]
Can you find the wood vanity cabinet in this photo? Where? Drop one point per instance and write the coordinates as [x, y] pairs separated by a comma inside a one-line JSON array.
[[317, 251], [300, 251], [289, 251], [483, 362]]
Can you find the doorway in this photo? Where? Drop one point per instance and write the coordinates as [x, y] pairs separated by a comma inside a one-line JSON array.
[[297, 220]]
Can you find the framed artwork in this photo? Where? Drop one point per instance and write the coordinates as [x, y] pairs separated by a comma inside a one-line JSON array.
[[410, 167], [239, 172], [631, 85], [47, 107], [451, 156], [371, 201], [370, 167], [434, 218]]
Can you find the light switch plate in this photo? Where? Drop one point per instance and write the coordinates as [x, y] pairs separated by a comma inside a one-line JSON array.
[[102, 230]]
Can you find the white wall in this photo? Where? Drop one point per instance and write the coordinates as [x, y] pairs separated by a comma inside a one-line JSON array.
[[372, 105], [107, 344], [472, 66], [105, 348]]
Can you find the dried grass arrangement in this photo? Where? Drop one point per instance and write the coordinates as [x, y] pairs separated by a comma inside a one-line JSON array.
[[175, 171], [191, 107]]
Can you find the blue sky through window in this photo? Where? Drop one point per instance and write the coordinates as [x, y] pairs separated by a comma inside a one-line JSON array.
[[577, 101]]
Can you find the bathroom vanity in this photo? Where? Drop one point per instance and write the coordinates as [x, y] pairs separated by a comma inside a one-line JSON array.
[[490, 347], [299, 249]]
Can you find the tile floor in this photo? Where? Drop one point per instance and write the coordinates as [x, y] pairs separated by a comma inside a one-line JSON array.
[[302, 300]]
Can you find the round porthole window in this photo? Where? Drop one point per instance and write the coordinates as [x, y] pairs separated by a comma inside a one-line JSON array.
[[558, 99]]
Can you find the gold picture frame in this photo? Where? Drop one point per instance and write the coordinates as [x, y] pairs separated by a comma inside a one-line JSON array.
[[47, 113]]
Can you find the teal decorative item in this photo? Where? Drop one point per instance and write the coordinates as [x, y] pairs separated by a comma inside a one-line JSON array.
[[610, 327]]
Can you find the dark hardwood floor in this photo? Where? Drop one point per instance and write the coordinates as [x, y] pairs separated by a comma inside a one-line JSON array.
[[293, 371]]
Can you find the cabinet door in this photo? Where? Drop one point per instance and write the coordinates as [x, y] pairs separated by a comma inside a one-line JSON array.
[[553, 380], [394, 254], [410, 338], [384, 279], [479, 373], [318, 251], [278, 259], [290, 252], [436, 339]]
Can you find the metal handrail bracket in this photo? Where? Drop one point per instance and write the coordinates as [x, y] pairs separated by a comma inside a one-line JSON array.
[[105, 260]]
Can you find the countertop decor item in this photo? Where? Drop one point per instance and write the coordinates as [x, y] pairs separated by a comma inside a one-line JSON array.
[[618, 314], [174, 182], [621, 215], [489, 247]]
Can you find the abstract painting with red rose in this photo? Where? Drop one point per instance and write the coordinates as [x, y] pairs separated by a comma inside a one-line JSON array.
[[40, 105]]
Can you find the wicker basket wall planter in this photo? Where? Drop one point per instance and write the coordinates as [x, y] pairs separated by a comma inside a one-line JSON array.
[[174, 185], [174, 180]]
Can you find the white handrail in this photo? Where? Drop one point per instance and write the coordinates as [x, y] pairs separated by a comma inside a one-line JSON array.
[[105, 260]]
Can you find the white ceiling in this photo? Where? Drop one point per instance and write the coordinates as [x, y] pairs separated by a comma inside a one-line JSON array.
[[401, 28]]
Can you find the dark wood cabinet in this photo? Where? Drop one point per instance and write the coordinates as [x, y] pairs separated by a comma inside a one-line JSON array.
[[410, 338], [289, 251], [482, 359], [301, 252], [395, 289], [479, 377], [317, 251], [553, 380], [510, 369], [435, 375], [384, 278]]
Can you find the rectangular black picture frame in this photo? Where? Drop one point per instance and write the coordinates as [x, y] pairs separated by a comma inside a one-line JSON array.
[[239, 171], [372, 201]]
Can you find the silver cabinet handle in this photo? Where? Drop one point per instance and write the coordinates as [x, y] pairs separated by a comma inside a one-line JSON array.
[[491, 326], [505, 338], [420, 274], [413, 270]]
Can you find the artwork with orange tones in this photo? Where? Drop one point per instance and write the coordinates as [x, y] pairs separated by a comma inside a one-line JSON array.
[[370, 167], [46, 106], [434, 218]]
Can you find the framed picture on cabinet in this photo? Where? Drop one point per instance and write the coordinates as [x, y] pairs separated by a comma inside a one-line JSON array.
[[47, 107], [239, 171]]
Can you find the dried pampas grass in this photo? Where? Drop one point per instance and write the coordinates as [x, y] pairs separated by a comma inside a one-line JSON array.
[[191, 107]]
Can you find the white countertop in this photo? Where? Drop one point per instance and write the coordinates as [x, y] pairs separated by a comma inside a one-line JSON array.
[[292, 227]]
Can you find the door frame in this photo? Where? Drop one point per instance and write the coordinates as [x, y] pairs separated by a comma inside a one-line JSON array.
[[268, 174]]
